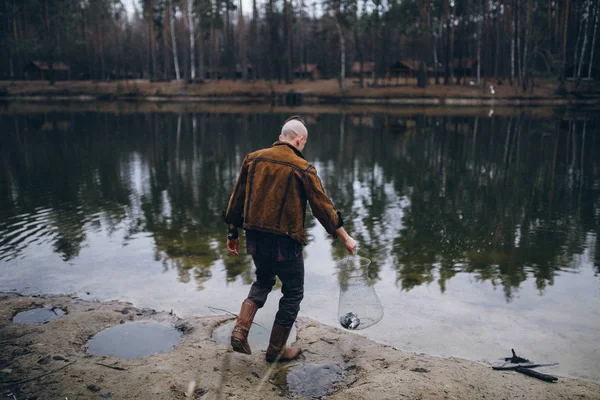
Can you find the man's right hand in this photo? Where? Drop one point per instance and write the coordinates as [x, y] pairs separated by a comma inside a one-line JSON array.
[[350, 245], [346, 239]]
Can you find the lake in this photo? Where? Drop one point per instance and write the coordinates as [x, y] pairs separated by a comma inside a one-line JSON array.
[[483, 226]]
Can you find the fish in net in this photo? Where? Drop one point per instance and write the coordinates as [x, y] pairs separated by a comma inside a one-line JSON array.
[[359, 307]]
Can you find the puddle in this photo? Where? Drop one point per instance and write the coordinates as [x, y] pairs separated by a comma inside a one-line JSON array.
[[258, 337], [308, 380], [134, 340], [38, 316]]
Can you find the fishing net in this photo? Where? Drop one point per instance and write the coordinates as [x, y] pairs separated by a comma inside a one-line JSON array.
[[359, 307]]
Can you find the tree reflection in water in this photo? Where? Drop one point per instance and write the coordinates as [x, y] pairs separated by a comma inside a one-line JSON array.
[[500, 198]]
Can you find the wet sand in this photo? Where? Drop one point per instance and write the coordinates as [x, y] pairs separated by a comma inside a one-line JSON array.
[[50, 361]]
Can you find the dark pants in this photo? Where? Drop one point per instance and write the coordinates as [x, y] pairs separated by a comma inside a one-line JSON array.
[[291, 274]]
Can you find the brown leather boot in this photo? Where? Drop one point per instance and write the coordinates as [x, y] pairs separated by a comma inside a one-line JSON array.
[[277, 350], [239, 336]]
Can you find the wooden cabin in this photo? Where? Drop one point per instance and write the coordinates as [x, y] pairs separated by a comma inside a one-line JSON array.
[[39, 70], [307, 71], [368, 70]]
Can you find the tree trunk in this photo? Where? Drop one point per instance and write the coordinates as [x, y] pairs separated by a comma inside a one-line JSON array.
[[585, 39], [166, 55], [255, 40], [497, 58], [447, 50], [173, 39], [101, 47], [512, 43], [342, 53], [556, 40], [242, 40], [15, 53], [549, 15], [479, 44], [190, 8], [151, 41], [288, 36], [212, 48], [594, 40], [435, 57], [564, 52], [525, 71], [200, 48], [486, 34], [519, 64], [452, 39], [51, 40], [359, 53], [576, 52]]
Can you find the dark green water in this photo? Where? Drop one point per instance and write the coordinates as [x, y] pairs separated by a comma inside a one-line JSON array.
[[483, 231]]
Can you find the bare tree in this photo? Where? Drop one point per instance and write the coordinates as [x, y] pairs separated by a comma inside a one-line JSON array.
[[190, 12], [564, 51], [585, 38], [173, 40], [479, 24], [594, 39], [242, 42], [151, 39], [166, 56], [512, 43]]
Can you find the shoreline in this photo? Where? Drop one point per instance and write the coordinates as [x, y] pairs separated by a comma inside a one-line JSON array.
[[322, 92], [125, 107], [370, 370], [312, 100]]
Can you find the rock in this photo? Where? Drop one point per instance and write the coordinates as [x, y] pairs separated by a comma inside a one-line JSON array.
[[45, 360], [59, 358], [93, 388]]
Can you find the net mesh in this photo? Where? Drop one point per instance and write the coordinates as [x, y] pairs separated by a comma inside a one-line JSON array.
[[359, 307]]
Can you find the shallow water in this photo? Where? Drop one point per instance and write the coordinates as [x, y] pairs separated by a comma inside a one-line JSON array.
[[38, 316], [483, 231], [134, 340], [308, 380]]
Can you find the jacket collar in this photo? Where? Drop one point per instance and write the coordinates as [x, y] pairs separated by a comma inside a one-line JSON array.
[[280, 143]]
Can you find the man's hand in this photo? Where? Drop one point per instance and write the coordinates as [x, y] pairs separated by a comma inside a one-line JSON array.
[[346, 239], [350, 245], [233, 246]]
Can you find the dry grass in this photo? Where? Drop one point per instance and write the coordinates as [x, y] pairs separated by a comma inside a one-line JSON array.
[[328, 87]]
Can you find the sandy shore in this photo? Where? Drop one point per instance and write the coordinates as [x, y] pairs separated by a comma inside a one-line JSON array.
[[324, 91], [50, 361]]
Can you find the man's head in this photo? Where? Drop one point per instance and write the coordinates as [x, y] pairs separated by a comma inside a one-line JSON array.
[[294, 132]]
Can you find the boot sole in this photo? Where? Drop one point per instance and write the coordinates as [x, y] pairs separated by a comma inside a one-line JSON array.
[[238, 346]]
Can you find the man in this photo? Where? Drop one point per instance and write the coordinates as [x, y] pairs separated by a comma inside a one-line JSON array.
[[269, 203]]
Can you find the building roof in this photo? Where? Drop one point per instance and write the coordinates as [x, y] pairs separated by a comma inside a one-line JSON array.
[[308, 68], [368, 67], [464, 63], [58, 65]]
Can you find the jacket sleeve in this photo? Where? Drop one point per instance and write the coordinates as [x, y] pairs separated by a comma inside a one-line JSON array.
[[320, 204], [235, 208]]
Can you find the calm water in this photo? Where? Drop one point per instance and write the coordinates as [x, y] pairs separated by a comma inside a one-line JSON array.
[[483, 231]]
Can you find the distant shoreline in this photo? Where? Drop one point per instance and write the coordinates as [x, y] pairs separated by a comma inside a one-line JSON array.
[[321, 92]]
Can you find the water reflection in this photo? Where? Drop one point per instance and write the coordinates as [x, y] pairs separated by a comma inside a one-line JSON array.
[[503, 198]]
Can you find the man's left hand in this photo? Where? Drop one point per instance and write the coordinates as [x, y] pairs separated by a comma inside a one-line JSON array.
[[233, 246]]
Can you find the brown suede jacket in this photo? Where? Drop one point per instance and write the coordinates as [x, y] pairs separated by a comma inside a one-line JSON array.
[[271, 193]]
